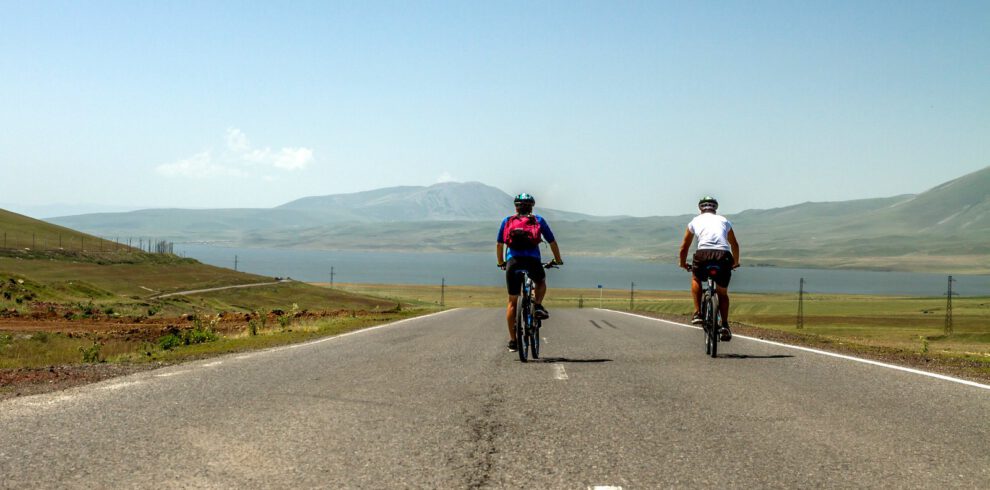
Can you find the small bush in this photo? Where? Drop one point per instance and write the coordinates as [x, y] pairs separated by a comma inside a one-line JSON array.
[[252, 328], [5, 339], [108, 311], [284, 322], [199, 335], [41, 337], [91, 354], [169, 341]]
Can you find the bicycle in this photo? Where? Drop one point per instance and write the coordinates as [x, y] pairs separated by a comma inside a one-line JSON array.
[[711, 319], [527, 325]]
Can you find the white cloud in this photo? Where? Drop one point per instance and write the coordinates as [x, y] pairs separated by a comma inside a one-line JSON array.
[[237, 159], [198, 166], [445, 177]]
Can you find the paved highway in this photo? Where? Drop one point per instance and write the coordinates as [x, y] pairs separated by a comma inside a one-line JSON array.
[[437, 401]]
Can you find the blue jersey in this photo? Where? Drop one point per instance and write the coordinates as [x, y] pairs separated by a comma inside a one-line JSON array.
[[527, 252]]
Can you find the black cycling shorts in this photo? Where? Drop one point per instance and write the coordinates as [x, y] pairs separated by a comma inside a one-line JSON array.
[[530, 264], [721, 258]]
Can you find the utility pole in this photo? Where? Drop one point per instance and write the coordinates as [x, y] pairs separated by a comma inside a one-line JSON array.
[[235, 262], [632, 288], [331, 276], [601, 292], [443, 287], [948, 308], [800, 314]]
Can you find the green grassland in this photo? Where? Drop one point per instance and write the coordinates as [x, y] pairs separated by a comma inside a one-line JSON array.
[[100, 303]]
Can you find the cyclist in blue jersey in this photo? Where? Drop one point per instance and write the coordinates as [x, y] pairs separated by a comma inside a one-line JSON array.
[[518, 248]]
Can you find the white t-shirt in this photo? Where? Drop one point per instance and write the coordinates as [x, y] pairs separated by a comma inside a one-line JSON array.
[[712, 231]]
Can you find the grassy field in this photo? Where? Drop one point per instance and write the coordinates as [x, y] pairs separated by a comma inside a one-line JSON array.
[[71, 300], [906, 323]]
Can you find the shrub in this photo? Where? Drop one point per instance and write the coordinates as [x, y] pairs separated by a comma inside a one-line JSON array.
[[91, 354], [170, 341], [252, 328], [198, 335], [5, 339], [40, 337], [284, 322]]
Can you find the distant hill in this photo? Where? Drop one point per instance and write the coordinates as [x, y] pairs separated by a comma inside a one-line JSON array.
[[944, 228], [471, 201], [451, 201]]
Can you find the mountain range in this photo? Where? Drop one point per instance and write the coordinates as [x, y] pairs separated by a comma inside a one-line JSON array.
[[944, 228]]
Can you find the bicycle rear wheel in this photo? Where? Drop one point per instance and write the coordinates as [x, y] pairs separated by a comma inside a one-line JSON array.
[[522, 304], [705, 314], [713, 324]]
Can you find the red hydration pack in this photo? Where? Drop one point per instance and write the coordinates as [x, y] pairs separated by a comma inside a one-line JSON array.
[[522, 232]]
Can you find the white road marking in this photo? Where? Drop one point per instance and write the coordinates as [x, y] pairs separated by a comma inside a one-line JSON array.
[[825, 353], [173, 373], [356, 332], [604, 487], [245, 356], [53, 399], [559, 372], [117, 386]]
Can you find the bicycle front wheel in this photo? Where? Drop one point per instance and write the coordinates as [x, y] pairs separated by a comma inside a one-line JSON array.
[[534, 344]]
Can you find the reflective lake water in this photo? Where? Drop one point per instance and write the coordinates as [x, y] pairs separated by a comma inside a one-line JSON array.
[[579, 272]]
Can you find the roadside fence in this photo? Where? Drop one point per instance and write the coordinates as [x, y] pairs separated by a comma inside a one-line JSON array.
[[75, 242]]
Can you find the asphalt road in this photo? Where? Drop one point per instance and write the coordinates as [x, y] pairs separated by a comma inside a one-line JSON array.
[[438, 402]]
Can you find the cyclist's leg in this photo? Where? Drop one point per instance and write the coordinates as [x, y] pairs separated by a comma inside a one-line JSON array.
[[723, 303], [696, 293], [722, 286], [538, 274], [510, 316], [513, 284], [700, 260]]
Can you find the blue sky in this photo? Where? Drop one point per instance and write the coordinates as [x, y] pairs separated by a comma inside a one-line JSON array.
[[599, 107]]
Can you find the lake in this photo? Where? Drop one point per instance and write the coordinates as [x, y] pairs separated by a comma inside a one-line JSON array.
[[579, 272]]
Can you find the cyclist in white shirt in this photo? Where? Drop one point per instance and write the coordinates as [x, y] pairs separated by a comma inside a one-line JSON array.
[[717, 245]]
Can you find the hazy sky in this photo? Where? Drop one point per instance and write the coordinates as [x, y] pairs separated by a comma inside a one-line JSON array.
[[599, 107]]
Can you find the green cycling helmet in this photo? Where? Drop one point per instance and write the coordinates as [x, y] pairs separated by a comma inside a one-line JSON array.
[[708, 202]]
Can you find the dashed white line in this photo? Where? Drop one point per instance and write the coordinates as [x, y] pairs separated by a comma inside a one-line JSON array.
[[826, 353], [559, 372], [214, 363], [604, 487]]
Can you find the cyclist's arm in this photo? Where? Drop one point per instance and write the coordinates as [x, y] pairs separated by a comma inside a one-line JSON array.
[[500, 254], [556, 253], [735, 248], [685, 246]]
